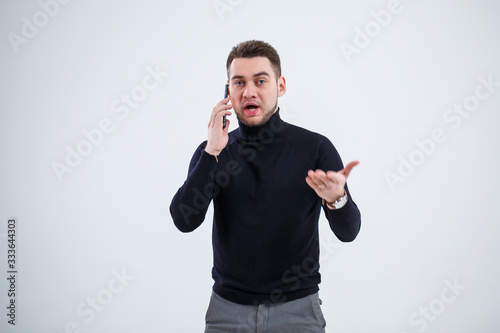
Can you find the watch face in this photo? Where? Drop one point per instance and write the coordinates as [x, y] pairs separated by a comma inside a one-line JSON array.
[[340, 202]]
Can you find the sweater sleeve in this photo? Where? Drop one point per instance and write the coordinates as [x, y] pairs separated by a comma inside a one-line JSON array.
[[346, 221], [190, 204]]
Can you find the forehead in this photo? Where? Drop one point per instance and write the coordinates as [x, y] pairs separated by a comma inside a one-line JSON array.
[[248, 67]]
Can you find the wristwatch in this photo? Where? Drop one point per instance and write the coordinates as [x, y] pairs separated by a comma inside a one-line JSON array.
[[339, 203]]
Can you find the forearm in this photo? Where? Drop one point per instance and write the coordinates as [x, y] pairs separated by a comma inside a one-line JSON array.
[[344, 222], [190, 204]]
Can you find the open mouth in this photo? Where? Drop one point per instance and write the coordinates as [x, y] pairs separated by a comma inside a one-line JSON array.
[[251, 109]]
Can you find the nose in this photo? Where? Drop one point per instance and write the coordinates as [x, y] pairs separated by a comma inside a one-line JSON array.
[[250, 91]]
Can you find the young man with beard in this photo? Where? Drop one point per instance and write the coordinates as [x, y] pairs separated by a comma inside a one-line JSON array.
[[268, 181]]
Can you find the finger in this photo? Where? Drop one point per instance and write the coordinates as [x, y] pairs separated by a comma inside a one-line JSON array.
[[224, 101], [317, 174], [348, 168], [319, 178], [222, 105], [313, 177], [217, 114], [312, 184], [220, 116], [221, 108], [218, 120], [335, 177]]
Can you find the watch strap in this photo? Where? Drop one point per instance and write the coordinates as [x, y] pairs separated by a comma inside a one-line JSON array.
[[337, 204]]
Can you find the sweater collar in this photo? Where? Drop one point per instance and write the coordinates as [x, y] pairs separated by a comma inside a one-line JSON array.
[[274, 124]]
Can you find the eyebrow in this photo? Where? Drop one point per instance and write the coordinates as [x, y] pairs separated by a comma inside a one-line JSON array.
[[263, 73]]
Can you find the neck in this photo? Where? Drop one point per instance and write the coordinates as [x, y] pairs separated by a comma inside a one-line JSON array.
[[264, 131]]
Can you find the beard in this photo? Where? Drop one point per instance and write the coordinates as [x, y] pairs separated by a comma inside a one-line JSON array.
[[266, 115]]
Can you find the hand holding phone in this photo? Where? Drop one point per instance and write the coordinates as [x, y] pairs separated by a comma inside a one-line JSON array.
[[226, 93]]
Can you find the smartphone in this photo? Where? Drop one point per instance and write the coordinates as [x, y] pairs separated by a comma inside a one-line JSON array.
[[226, 92]]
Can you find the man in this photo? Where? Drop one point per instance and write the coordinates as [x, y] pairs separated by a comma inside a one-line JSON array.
[[268, 181]]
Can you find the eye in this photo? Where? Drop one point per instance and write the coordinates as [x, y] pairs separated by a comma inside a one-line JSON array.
[[238, 83], [261, 81]]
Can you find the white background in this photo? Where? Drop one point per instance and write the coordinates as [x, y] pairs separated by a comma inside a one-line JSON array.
[[438, 225]]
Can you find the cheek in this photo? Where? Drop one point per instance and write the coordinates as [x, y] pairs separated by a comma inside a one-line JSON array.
[[269, 97], [233, 100], [235, 96]]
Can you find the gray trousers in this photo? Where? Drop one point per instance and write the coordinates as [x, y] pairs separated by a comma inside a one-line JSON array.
[[303, 315]]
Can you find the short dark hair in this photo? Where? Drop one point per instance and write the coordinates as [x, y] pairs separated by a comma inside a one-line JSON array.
[[255, 48]]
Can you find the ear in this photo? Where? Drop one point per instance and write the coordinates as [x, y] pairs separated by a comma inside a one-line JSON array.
[[281, 86]]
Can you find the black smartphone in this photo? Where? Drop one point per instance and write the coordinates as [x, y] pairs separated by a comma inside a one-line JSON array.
[[226, 92]]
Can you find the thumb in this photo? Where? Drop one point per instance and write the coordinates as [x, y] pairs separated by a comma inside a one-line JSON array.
[[348, 168]]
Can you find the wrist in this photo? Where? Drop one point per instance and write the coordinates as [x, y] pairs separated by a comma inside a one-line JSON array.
[[338, 203], [212, 151]]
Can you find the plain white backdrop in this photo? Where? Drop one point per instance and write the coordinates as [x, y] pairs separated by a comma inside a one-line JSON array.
[[103, 103]]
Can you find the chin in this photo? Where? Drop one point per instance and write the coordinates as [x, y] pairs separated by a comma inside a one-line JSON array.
[[250, 121], [254, 121], [259, 119]]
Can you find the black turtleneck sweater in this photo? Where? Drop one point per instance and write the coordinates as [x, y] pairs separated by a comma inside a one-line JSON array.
[[265, 227]]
